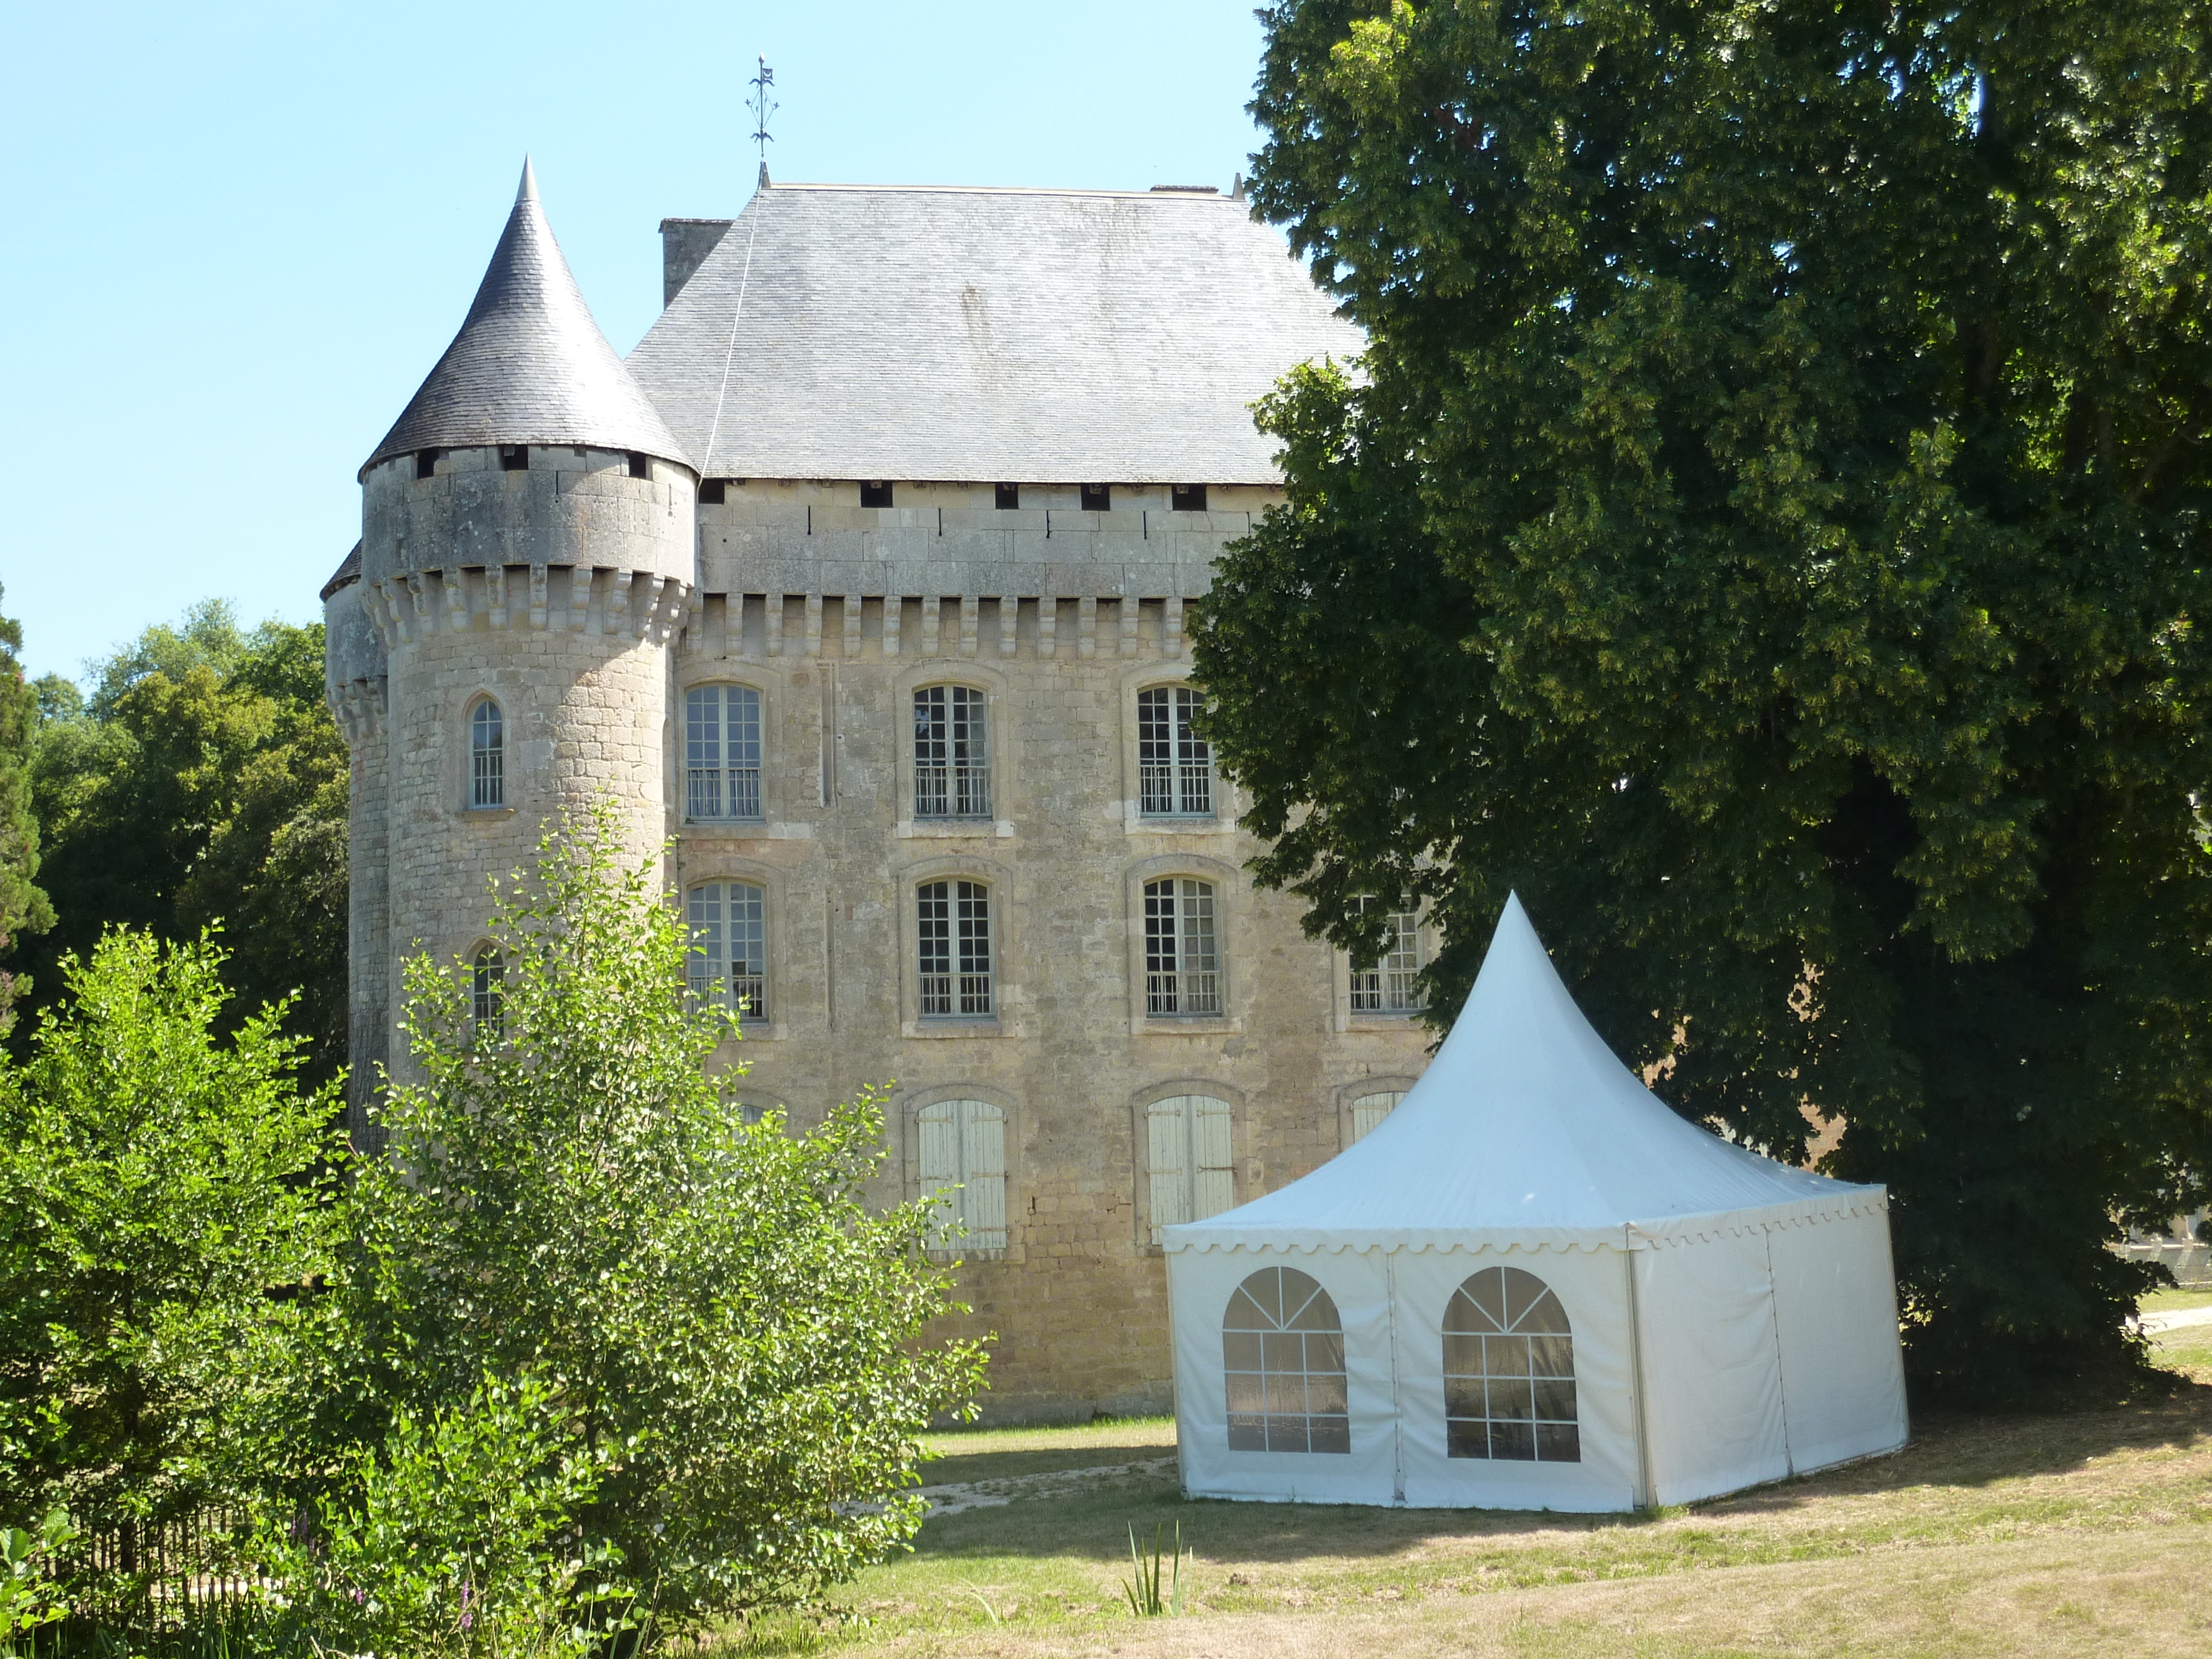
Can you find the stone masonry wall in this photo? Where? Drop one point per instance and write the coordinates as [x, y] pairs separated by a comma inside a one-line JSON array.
[[1077, 1297]]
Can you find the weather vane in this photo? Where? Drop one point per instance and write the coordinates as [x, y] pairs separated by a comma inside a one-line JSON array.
[[762, 109]]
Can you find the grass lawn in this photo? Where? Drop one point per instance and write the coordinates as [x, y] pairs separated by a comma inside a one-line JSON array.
[[2078, 1535], [2175, 1301]]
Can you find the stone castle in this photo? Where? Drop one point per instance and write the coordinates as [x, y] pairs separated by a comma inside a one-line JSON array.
[[862, 584]]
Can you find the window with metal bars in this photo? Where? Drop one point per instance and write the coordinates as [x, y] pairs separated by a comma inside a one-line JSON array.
[[722, 754], [1389, 986], [1510, 1372], [952, 753], [1182, 974], [1282, 1351], [728, 964], [1175, 765], [1190, 1160], [487, 755], [955, 938], [486, 993], [963, 1174]]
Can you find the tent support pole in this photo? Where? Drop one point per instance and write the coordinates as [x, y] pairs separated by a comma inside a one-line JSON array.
[[1647, 1495]]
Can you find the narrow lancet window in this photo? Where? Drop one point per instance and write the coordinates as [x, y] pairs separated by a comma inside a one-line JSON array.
[[487, 756]]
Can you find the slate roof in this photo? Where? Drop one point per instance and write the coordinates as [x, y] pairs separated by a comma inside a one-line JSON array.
[[347, 574], [529, 365], [1017, 335]]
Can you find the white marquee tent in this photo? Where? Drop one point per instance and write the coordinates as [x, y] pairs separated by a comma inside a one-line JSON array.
[[1533, 1287]]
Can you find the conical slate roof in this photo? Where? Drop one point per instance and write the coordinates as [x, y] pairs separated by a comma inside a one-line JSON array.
[[1526, 1127], [529, 365]]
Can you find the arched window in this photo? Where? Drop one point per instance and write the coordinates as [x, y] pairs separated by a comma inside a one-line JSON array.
[[952, 753], [722, 753], [1509, 1370], [1389, 987], [1369, 1110], [1175, 765], [1182, 973], [729, 947], [487, 755], [1282, 1347], [963, 1147], [953, 932], [1190, 1159], [486, 992]]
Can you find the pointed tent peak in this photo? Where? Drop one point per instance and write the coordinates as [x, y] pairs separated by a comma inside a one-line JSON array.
[[529, 365]]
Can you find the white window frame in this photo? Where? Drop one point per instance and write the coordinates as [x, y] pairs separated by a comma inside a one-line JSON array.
[[711, 967], [1175, 765], [961, 1147], [486, 993], [948, 977], [486, 783], [951, 782], [1190, 1158], [1388, 989], [1182, 948], [727, 786]]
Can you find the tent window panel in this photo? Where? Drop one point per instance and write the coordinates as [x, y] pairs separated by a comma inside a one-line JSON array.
[[1282, 1347], [1192, 1164], [1509, 1371]]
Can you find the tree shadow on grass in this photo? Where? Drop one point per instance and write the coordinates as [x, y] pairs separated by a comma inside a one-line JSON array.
[[1952, 1450]]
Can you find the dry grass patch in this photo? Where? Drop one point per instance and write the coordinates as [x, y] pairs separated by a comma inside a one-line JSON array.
[[2081, 1535]]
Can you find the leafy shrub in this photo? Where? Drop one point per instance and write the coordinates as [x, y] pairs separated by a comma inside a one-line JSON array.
[[164, 1195], [29, 1597], [737, 1336], [456, 1536]]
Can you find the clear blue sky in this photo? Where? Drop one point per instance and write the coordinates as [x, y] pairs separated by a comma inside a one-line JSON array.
[[234, 238]]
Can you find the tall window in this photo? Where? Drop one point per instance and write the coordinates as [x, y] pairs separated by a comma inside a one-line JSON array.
[[722, 752], [1369, 1110], [487, 755], [1388, 987], [955, 933], [1175, 765], [729, 947], [1189, 1159], [1282, 1347], [486, 992], [1182, 974], [964, 1147], [952, 756], [1509, 1370]]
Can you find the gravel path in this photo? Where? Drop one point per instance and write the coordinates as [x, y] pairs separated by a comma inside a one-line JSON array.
[[2154, 1324], [1052, 1483]]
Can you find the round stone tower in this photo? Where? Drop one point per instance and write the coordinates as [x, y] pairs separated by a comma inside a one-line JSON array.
[[498, 655]]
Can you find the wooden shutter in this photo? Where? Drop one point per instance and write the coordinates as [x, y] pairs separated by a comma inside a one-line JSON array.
[[940, 1164], [1168, 1123], [983, 1168], [1213, 1186], [1369, 1110]]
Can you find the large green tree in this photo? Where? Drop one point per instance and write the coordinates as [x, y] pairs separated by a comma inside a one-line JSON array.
[[202, 779], [23, 906], [1767, 529]]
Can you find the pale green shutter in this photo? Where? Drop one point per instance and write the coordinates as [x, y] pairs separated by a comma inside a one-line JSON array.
[[1168, 1123], [1213, 1184], [941, 1166], [1369, 1110], [983, 1170]]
